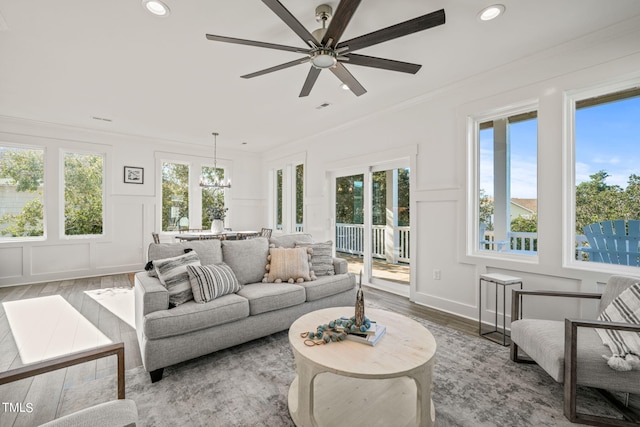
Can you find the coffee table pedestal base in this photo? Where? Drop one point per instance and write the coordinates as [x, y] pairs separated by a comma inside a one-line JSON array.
[[339, 400]]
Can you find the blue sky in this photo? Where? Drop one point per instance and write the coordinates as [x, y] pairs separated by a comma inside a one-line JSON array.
[[607, 138]]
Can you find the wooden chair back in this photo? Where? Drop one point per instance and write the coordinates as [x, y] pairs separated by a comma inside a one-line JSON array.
[[156, 237]]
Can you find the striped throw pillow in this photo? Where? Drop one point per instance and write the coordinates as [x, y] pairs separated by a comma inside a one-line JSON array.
[[173, 275], [624, 345], [209, 282], [321, 257]]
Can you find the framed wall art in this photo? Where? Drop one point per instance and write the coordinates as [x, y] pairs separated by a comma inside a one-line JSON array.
[[133, 175]]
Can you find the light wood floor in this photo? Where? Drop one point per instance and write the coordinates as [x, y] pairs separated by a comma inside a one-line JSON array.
[[45, 391]]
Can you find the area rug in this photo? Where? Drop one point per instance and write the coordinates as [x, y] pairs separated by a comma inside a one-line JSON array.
[[475, 384]]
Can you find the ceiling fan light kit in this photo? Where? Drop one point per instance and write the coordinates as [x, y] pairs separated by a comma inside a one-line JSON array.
[[325, 50]]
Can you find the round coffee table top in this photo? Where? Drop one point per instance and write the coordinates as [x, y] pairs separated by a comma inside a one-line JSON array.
[[407, 345]]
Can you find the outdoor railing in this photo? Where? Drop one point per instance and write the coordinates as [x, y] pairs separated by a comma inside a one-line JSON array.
[[350, 239]]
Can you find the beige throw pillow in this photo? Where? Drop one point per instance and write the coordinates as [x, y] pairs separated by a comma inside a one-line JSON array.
[[288, 265]]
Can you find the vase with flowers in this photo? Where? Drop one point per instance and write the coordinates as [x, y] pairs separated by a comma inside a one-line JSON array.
[[217, 213]]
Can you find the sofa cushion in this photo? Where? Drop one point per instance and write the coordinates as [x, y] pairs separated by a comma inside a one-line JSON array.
[[328, 285], [247, 258], [289, 240], [208, 251], [321, 257], [173, 275], [288, 265], [191, 316], [209, 282], [264, 297]]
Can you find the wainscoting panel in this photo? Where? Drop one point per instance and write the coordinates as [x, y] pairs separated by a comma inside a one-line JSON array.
[[59, 258], [10, 262]]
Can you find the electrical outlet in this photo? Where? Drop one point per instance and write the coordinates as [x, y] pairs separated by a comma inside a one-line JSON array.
[[436, 274]]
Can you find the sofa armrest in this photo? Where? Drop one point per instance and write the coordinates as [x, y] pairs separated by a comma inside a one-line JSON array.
[[341, 266], [150, 295]]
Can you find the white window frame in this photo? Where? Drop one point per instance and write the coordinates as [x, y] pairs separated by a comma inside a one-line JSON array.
[[569, 184], [61, 200], [45, 186], [288, 167], [473, 178], [195, 164]]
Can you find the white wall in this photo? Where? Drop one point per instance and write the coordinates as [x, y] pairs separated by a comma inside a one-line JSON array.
[[131, 209], [436, 124]]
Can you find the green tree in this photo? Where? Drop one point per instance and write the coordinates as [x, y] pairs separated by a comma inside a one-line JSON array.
[[486, 210], [25, 170], [175, 194], [211, 196], [299, 194], [83, 194], [597, 201]]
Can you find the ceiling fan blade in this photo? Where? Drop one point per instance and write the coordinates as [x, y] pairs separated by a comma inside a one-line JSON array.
[[387, 64], [345, 77], [340, 20], [256, 43], [310, 81], [276, 68], [411, 26], [291, 21]]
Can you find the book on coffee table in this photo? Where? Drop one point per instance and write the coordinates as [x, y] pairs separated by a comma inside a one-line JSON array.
[[369, 338]]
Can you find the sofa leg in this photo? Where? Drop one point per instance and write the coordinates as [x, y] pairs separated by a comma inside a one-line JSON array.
[[156, 375]]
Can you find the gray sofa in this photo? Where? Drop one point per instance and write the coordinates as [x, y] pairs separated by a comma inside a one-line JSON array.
[[171, 335]]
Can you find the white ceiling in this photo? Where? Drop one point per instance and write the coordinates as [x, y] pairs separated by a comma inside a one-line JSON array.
[[67, 61]]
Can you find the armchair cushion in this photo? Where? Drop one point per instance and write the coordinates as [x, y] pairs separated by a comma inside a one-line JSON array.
[[543, 341], [121, 412]]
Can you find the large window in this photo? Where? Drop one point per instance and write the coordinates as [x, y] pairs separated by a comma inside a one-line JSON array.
[[288, 198], [607, 177], [175, 196], [211, 196], [507, 203], [21, 192], [83, 194]]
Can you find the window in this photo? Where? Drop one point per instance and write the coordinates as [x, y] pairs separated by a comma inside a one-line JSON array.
[[83, 194], [211, 196], [287, 207], [506, 205], [607, 177], [299, 197], [279, 199], [21, 192], [175, 196]]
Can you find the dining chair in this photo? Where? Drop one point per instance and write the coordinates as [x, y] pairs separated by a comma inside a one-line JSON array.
[[156, 237]]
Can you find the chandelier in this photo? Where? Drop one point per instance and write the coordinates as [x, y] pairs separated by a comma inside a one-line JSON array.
[[216, 183]]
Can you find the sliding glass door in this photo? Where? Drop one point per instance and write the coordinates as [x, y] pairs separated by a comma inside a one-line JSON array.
[[372, 225]]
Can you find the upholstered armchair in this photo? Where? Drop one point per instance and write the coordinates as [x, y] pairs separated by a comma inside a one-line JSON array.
[[120, 412], [571, 351]]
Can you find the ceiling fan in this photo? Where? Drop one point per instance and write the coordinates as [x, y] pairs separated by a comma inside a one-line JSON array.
[[325, 50]]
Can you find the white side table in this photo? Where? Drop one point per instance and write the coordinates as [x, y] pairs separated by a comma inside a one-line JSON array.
[[503, 280]]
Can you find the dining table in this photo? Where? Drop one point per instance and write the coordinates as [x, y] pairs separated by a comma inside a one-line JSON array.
[[207, 234]]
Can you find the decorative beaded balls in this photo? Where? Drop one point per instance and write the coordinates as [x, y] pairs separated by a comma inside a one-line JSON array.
[[335, 330]]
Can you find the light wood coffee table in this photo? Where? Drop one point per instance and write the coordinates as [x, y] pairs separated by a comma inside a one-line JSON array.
[[349, 383]]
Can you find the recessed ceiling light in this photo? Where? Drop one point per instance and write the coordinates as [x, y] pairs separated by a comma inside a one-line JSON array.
[[491, 12], [344, 86], [156, 7]]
